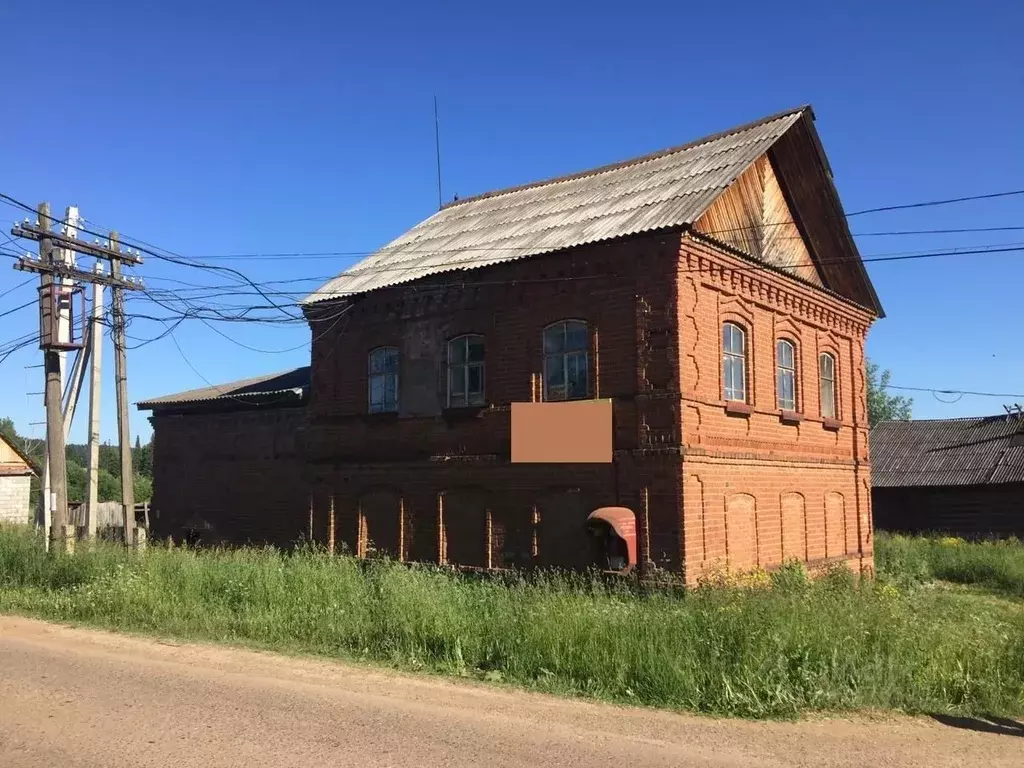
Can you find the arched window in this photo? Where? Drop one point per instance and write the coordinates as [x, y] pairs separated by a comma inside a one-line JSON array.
[[383, 380], [827, 376], [466, 371], [566, 361], [785, 375], [734, 362]]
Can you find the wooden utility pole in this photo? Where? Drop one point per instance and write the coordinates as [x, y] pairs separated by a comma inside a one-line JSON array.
[[55, 456], [54, 297], [95, 381], [124, 437]]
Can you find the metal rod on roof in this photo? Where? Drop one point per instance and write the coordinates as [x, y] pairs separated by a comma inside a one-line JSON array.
[[437, 148]]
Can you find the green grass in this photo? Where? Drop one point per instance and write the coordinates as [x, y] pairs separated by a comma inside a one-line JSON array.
[[995, 565], [777, 651]]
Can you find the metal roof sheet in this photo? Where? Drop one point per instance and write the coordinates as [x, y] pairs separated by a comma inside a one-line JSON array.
[[973, 451], [667, 189], [294, 382]]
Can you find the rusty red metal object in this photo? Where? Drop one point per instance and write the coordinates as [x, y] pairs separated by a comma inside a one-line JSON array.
[[622, 520]]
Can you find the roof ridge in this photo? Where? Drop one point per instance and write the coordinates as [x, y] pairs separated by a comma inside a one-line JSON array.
[[955, 418], [631, 161]]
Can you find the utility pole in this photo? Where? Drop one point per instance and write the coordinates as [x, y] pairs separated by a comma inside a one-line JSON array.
[[121, 377], [57, 503], [96, 341], [53, 298]]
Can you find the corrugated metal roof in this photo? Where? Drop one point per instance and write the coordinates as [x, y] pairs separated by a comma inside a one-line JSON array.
[[666, 189], [974, 451], [294, 382]]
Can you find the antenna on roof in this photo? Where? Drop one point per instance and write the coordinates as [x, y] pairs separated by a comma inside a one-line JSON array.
[[1015, 411], [437, 148]]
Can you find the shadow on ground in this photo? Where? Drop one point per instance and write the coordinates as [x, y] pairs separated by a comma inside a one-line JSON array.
[[985, 724]]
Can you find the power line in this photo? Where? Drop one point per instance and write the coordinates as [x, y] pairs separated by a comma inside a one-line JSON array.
[[329, 254], [19, 285], [23, 306], [932, 203], [955, 392]]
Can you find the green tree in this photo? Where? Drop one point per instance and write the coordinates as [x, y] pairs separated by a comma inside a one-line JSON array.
[[7, 430], [110, 459], [883, 406]]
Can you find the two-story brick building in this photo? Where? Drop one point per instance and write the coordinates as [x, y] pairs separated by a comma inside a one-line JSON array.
[[712, 292]]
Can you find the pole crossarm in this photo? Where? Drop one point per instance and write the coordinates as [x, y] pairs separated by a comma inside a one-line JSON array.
[[34, 232], [62, 270]]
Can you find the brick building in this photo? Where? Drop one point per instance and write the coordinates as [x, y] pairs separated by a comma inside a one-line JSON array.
[[712, 292]]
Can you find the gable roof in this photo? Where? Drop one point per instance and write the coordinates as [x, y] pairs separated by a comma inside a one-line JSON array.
[[29, 467], [664, 190], [284, 387], [973, 451]]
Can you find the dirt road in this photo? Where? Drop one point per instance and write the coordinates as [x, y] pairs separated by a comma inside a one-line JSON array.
[[74, 697]]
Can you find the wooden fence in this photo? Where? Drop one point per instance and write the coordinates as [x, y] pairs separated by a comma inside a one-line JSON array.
[[108, 514]]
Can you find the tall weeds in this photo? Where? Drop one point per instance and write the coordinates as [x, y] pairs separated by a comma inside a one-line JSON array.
[[774, 650]]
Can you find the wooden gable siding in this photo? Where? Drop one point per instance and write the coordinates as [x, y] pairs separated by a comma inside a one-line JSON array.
[[804, 175], [11, 462], [753, 217]]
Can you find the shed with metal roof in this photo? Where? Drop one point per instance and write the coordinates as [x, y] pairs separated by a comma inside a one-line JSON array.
[[958, 476]]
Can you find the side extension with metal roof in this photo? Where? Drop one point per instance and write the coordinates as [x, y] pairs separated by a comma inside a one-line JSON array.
[[285, 388]]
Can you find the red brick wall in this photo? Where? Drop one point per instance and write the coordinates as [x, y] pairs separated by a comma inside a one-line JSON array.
[[758, 490], [238, 471], [429, 484]]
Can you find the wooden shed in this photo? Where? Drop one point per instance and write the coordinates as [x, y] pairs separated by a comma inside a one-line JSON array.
[[963, 477]]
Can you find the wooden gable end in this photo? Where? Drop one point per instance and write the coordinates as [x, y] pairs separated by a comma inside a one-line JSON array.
[[12, 461], [784, 210], [753, 217]]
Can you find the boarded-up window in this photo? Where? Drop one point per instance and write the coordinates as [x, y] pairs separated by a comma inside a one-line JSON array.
[[465, 527], [379, 519], [562, 539], [740, 535], [835, 524], [794, 527], [511, 536]]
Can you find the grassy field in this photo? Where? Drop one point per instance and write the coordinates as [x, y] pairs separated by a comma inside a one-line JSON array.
[[776, 647], [997, 566]]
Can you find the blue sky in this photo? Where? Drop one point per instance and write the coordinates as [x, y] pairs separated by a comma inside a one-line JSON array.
[[218, 128]]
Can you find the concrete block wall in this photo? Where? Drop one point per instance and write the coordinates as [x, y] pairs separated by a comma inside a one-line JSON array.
[[14, 498]]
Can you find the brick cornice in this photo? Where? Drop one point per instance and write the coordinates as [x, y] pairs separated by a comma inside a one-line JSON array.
[[771, 288]]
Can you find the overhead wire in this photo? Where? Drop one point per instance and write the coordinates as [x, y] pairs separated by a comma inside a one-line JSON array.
[[257, 286]]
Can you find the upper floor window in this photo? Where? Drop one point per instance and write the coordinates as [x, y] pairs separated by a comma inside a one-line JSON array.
[[785, 375], [466, 371], [383, 380], [566, 361], [827, 376], [734, 362]]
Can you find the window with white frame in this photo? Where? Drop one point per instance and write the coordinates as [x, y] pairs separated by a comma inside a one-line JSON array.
[[566, 361], [466, 371], [785, 374], [827, 377], [734, 362], [383, 380]]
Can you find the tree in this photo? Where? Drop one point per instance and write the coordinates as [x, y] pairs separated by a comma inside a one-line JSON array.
[[881, 405], [7, 430]]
